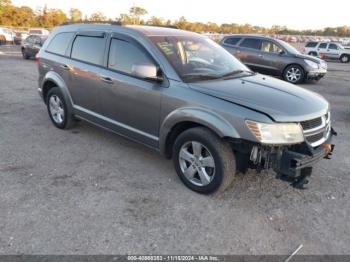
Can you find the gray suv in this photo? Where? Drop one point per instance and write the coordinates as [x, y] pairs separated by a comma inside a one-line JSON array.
[[185, 96], [274, 57]]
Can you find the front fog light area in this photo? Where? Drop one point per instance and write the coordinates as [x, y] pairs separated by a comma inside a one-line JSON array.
[[277, 133]]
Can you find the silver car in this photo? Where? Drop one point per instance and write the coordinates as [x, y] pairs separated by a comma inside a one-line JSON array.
[[185, 96]]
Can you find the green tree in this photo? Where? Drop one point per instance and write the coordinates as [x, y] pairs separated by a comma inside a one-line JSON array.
[[136, 13], [75, 15], [97, 16]]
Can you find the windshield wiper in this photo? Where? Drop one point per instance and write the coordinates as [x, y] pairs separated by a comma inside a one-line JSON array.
[[199, 77], [235, 73]]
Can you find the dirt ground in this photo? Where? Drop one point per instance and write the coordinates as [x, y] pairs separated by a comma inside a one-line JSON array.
[[87, 191]]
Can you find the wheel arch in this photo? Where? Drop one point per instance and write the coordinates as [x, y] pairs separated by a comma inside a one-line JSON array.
[[186, 118], [52, 79]]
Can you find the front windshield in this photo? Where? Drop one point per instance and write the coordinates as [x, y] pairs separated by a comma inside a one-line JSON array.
[[198, 58], [291, 49]]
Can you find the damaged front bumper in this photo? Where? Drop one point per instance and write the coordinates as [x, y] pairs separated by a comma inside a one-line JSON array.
[[291, 163], [294, 164]]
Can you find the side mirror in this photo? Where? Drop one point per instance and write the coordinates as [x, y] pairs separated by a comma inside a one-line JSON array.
[[281, 52], [146, 71]]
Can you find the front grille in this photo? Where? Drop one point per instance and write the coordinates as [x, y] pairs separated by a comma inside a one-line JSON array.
[[315, 138], [310, 124], [316, 130]]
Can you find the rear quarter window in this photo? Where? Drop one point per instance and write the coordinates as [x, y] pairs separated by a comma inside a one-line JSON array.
[[89, 49], [251, 43], [232, 40], [311, 44], [323, 46], [59, 43]]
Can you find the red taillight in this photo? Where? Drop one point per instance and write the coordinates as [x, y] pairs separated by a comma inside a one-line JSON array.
[[37, 58]]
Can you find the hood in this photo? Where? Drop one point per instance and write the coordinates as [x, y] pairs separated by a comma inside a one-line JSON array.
[[282, 101], [309, 57]]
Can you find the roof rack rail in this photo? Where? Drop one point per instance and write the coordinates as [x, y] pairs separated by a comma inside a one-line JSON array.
[[92, 22], [166, 26]]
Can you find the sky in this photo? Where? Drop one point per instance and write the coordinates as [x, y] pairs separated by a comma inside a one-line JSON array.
[[295, 14]]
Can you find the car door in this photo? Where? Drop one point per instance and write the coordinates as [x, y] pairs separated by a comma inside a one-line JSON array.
[[333, 51], [322, 49], [273, 58], [84, 67], [250, 53], [131, 104], [36, 45], [27, 44]]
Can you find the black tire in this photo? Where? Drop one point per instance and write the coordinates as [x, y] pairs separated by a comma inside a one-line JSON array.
[[288, 71], [313, 53], [222, 154], [67, 119], [345, 58], [24, 54]]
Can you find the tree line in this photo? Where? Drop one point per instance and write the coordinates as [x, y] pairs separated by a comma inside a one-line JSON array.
[[26, 17]]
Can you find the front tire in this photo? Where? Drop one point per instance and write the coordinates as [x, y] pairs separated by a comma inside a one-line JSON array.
[[57, 108], [345, 58], [204, 162], [294, 74]]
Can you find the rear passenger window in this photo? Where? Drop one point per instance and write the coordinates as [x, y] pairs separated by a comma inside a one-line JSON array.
[[311, 44], [59, 43], [323, 46], [89, 49], [251, 43], [232, 40], [333, 46], [124, 55]]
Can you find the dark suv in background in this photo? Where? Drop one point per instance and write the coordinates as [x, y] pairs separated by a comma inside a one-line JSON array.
[[185, 96], [274, 57]]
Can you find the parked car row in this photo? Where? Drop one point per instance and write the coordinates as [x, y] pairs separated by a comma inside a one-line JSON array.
[[8, 36], [274, 57]]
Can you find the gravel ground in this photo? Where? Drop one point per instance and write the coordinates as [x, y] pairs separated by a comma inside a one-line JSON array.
[[87, 191]]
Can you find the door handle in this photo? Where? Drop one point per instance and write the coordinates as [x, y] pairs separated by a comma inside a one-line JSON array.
[[106, 79], [66, 67]]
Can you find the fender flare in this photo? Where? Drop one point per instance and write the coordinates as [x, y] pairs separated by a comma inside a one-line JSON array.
[[59, 82], [199, 116]]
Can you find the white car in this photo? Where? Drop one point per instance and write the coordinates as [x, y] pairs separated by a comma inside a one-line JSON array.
[[6, 35], [328, 51], [38, 31]]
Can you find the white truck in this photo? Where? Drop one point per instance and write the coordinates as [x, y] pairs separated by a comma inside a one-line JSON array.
[[6, 36], [328, 51]]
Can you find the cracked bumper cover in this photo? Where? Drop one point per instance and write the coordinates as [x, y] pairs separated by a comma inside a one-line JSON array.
[[290, 162]]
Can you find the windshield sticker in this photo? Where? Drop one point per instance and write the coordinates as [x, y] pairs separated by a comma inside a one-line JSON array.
[[167, 48]]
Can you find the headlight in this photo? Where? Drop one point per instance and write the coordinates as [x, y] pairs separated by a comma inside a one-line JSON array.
[[311, 64], [278, 133]]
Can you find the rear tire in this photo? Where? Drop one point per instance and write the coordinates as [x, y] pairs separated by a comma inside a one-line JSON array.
[[345, 58], [57, 108], [204, 162], [24, 54], [294, 74]]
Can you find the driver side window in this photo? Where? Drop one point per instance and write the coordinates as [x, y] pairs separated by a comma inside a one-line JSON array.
[[123, 56], [270, 47]]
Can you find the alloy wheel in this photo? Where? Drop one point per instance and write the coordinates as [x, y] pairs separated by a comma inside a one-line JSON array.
[[293, 74], [197, 163], [345, 59], [56, 109]]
